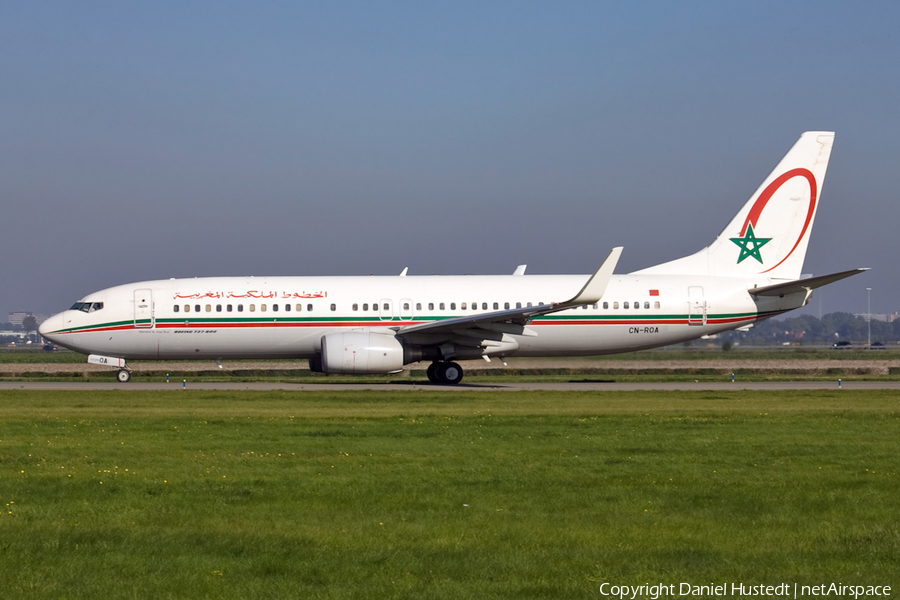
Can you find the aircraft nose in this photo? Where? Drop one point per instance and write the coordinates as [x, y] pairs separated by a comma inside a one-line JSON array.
[[54, 323]]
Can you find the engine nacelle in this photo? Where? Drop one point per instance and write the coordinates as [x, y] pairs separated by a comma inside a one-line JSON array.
[[361, 352]]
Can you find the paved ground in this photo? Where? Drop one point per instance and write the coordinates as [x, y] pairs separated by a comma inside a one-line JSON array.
[[580, 385], [871, 366]]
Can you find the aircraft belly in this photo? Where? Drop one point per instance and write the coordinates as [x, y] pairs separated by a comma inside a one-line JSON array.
[[249, 342], [124, 343], [188, 343], [581, 340]]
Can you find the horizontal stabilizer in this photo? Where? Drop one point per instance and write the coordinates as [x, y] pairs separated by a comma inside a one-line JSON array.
[[803, 285]]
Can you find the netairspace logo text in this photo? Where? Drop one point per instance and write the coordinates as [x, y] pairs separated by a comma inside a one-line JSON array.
[[781, 590]]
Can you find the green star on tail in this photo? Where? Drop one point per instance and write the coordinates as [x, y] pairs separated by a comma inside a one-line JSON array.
[[750, 244]]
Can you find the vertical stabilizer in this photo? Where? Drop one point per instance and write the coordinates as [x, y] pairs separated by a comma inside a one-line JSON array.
[[769, 236]]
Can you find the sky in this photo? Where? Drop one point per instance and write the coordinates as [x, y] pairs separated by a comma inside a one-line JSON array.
[[185, 139]]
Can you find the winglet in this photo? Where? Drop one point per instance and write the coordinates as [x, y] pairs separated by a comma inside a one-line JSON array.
[[520, 270], [594, 289]]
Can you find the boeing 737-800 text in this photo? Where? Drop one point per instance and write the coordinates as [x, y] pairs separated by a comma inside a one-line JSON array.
[[354, 325]]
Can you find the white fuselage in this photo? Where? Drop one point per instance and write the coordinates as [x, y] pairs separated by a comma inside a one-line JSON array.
[[286, 317]]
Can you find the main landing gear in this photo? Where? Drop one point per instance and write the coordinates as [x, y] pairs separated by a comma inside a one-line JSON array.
[[447, 373]]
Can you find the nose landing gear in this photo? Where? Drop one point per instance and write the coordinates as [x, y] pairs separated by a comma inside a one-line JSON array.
[[447, 373], [124, 375]]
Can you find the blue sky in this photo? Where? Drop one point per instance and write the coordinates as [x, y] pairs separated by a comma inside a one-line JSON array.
[[153, 140]]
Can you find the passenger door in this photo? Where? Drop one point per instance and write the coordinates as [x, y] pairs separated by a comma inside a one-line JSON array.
[[696, 306], [143, 309]]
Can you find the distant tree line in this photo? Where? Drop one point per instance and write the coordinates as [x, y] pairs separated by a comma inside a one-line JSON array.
[[807, 329]]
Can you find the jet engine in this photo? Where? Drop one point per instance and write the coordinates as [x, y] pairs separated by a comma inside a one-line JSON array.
[[361, 352]]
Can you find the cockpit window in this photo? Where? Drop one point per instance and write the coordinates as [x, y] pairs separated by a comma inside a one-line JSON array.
[[87, 306]]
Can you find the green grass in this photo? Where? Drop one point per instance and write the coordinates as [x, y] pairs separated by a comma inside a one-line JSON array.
[[190, 494]]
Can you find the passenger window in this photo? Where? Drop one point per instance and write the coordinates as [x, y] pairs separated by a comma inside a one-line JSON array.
[[647, 304], [240, 308], [616, 305], [605, 305], [299, 308], [355, 307], [196, 308], [252, 308], [584, 307], [287, 308], [386, 306], [496, 305], [637, 304], [228, 308], [418, 306], [462, 306], [624, 305], [309, 308], [208, 308], [506, 305], [176, 308], [366, 307], [218, 308], [518, 305], [484, 306], [441, 306], [262, 308], [594, 306], [406, 306], [333, 307], [431, 306], [453, 306], [274, 307], [656, 304], [528, 305]]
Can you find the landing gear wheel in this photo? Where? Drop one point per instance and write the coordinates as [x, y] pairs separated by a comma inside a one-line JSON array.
[[432, 372], [124, 375], [450, 373]]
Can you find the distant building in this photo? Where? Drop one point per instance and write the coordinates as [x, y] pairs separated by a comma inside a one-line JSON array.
[[16, 318], [882, 318]]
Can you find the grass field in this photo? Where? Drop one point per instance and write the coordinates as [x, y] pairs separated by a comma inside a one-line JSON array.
[[191, 494]]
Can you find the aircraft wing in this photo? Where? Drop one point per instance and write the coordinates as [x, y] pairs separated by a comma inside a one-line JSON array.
[[802, 285], [514, 320]]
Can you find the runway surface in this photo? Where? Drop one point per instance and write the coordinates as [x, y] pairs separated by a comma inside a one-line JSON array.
[[581, 385]]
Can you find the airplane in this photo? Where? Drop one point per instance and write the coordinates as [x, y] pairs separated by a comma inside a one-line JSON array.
[[378, 324]]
